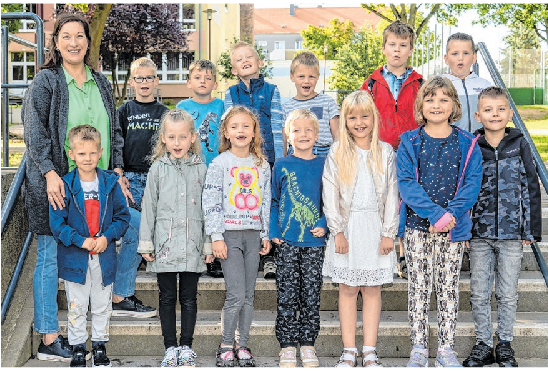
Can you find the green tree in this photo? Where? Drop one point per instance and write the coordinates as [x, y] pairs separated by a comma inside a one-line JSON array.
[[334, 35], [225, 64], [13, 24]]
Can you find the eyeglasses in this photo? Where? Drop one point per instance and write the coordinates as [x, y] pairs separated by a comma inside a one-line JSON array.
[[140, 79]]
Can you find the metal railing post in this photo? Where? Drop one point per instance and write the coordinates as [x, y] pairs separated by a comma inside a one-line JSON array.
[[5, 100]]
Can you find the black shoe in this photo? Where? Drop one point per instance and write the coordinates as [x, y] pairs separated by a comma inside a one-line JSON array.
[[59, 350], [269, 269], [481, 355], [214, 269], [403, 267], [132, 307], [505, 355], [99, 357], [78, 357]]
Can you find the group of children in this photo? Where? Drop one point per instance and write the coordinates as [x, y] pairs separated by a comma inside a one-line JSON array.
[[332, 206]]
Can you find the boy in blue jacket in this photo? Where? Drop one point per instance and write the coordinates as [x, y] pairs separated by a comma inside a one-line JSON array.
[[86, 229]]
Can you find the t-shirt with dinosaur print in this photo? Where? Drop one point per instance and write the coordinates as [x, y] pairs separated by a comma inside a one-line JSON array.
[[296, 201]]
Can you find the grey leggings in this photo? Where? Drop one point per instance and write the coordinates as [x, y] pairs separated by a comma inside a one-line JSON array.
[[240, 273]]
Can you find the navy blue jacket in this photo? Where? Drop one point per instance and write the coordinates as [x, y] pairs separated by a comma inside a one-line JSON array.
[[414, 196], [70, 228]]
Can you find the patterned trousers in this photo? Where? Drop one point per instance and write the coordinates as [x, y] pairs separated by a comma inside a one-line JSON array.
[[432, 258], [299, 283]]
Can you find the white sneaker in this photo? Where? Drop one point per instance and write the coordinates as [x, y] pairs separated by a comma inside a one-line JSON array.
[[171, 357], [308, 356], [288, 357]]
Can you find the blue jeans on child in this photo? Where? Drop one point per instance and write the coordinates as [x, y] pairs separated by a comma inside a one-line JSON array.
[[45, 285], [498, 260], [128, 259]]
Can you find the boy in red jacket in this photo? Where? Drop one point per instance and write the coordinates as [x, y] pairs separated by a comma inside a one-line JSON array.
[[394, 88]]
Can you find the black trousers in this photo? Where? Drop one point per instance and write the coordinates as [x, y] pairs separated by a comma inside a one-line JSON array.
[[188, 289]]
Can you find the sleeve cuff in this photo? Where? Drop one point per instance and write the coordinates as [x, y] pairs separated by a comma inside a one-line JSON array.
[[217, 237], [145, 247]]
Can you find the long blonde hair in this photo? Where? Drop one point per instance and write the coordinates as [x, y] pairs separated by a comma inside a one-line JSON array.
[[255, 145], [173, 116], [346, 156]]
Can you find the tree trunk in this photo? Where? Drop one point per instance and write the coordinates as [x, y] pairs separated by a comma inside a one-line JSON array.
[[96, 29], [124, 90]]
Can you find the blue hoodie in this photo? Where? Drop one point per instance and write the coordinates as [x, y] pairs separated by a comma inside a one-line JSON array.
[[414, 196], [70, 228]]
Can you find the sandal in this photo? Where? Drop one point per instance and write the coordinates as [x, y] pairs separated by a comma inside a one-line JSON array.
[[244, 357], [403, 267], [348, 359], [370, 359], [224, 357]]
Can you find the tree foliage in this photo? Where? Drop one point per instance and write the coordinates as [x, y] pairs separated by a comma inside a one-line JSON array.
[[334, 35], [13, 24], [225, 64]]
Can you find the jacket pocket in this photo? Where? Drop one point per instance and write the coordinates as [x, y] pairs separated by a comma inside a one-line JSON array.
[[195, 234]]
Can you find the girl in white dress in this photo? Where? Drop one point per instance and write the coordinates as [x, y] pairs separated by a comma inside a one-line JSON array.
[[360, 196]]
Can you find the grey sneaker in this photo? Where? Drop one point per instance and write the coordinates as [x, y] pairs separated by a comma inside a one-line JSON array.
[[447, 358], [418, 357], [186, 357], [171, 357]]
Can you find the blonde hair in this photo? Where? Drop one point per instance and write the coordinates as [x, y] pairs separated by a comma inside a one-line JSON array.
[[203, 65], [173, 116], [346, 156], [257, 142], [142, 62], [428, 89], [84, 133], [308, 59], [243, 44], [301, 114], [400, 30]]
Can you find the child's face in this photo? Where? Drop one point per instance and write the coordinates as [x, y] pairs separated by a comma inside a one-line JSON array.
[[240, 130], [178, 138], [305, 79], [201, 82], [360, 123], [85, 154], [245, 63], [144, 90], [494, 113], [460, 57], [437, 108], [397, 51], [303, 135]]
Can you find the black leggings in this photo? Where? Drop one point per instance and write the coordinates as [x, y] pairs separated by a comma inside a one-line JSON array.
[[188, 289]]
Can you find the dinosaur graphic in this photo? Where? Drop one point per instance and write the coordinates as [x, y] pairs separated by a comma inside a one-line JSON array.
[[300, 212], [205, 129]]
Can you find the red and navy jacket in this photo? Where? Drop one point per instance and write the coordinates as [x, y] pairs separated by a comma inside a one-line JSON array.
[[396, 115]]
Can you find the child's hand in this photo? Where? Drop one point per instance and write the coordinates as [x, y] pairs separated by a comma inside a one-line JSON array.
[[266, 247], [447, 228], [341, 243], [467, 245], [100, 245], [525, 242], [387, 245], [318, 232], [277, 241], [209, 258], [89, 244], [149, 257], [219, 249]]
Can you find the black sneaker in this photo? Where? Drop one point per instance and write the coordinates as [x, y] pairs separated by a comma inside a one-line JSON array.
[[402, 267], [505, 355], [481, 355], [269, 269], [99, 357], [78, 357], [59, 350], [132, 307], [214, 269]]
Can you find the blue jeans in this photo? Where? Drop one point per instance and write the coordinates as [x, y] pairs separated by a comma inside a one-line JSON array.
[[498, 260], [128, 259], [45, 285]]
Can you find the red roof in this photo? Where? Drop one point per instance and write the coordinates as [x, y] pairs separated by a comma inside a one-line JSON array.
[[278, 20]]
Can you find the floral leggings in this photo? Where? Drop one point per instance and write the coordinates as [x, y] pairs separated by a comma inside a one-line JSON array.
[[432, 258]]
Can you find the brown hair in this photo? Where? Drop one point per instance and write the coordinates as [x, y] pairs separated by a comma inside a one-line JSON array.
[[428, 89], [84, 133], [493, 92], [257, 142], [460, 36], [53, 57], [400, 30], [308, 59], [203, 65]]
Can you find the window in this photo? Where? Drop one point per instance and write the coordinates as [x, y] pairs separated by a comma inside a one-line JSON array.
[[187, 17], [28, 25], [22, 66], [279, 45], [299, 45], [262, 44]]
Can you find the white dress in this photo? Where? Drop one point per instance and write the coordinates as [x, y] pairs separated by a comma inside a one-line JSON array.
[[363, 265]]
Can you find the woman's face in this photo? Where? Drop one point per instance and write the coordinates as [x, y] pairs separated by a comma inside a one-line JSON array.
[[72, 43]]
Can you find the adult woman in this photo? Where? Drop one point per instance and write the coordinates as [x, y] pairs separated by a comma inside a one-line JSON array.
[[64, 94]]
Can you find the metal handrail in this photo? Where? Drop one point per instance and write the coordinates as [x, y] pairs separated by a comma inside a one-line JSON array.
[[518, 122], [13, 192]]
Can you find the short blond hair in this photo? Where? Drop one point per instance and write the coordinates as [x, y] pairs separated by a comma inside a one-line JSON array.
[[243, 44], [203, 65], [428, 89], [84, 133], [308, 59], [400, 30], [301, 114], [142, 62]]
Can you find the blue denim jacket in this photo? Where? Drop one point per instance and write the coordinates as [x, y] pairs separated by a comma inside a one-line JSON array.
[[70, 228], [414, 196]]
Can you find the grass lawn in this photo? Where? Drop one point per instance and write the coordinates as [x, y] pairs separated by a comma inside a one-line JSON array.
[[541, 142]]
